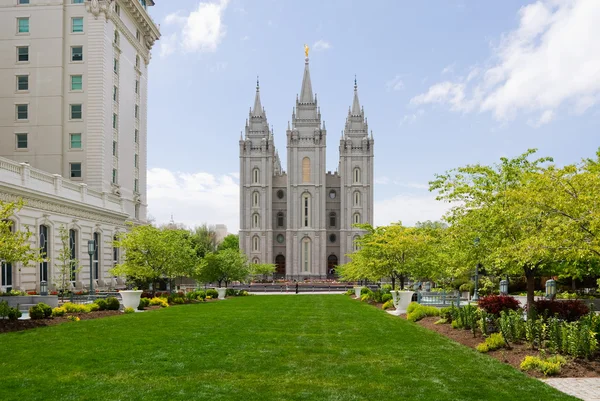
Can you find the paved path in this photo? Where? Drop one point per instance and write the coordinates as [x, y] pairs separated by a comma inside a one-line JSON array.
[[587, 389]]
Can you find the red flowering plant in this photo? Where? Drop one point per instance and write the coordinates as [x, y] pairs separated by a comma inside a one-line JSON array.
[[494, 304], [569, 310]]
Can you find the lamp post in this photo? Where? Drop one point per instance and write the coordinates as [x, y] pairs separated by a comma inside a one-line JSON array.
[[504, 287], [476, 291], [43, 287], [91, 251]]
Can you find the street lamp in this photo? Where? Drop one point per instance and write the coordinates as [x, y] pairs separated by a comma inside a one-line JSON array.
[[91, 251], [476, 291], [43, 287], [504, 287]]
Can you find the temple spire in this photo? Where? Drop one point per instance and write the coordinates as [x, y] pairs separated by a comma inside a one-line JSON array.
[[356, 111], [306, 93], [258, 109]]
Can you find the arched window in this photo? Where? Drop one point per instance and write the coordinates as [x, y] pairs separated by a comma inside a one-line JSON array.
[[255, 199], [356, 218], [73, 253], [306, 255], [280, 221], [255, 176], [356, 178], [306, 169], [355, 246], [96, 256], [255, 243], [44, 252], [116, 38], [255, 220], [332, 219], [305, 210], [255, 261], [356, 198]]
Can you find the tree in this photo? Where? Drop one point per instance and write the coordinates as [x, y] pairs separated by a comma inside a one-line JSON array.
[[231, 241], [393, 251], [152, 253], [204, 239], [223, 267], [261, 269], [66, 266], [491, 224], [14, 245]]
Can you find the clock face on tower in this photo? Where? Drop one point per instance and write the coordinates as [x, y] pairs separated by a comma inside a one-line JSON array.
[[332, 194]]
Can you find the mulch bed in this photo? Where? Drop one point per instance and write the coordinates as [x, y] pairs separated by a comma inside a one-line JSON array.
[[20, 325], [575, 367]]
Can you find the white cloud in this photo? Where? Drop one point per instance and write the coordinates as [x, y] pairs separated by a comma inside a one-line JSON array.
[[200, 31], [394, 84], [382, 180], [449, 68], [168, 44], [193, 199], [551, 60], [411, 118], [321, 45], [409, 209]]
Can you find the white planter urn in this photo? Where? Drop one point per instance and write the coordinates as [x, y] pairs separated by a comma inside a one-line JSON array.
[[221, 292], [130, 298], [357, 291], [401, 301]]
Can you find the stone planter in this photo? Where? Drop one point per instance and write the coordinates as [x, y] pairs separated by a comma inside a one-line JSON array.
[[222, 292], [357, 291], [401, 300], [130, 299]]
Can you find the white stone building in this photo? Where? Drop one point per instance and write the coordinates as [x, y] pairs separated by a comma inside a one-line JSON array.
[[73, 103], [302, 220]]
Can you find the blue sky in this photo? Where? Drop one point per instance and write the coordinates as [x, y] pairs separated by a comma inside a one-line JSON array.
[[443, 83]]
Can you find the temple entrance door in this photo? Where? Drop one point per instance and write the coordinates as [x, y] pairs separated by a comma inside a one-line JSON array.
[[280, 266], [332, 262]]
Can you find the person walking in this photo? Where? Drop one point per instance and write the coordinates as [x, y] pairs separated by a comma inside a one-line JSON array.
[[296, 287]]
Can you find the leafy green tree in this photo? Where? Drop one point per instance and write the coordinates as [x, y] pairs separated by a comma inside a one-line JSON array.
[[223, 267], [491, 224], [14, 245], [261, 269], [66, 266], [204, 239], [152, 253], [231, 241]]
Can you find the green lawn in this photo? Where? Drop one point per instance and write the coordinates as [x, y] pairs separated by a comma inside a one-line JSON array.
[[326, 347]]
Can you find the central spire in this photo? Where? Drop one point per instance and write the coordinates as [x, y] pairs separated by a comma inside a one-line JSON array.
[[257, 110], [306, 93], [355, 103]]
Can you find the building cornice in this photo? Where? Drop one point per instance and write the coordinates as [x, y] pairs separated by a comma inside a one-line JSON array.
[[149, 30]]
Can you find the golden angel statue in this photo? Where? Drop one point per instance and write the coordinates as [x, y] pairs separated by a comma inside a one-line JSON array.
[[306, 50]]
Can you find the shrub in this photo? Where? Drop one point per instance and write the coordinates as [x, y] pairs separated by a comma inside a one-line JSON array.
[[112, 303], [200, 295], [422, 311], [58, 312], [75, 308], [365, 290], [511, 325], [569, 310], [177, 300], [102, 304], [467, 287], [386, 288], [230, 292], [73, 318], [93, 307], [549, 367], [466, 318], [8, 312], [494, 304], [243, 293], [365, 298], [159, 301], [129, 310], [36, 312], [144, 302], [212, 293], [386, 297], [493, 342], [389, 304], [350, 292], [412, 306], [448, 313]]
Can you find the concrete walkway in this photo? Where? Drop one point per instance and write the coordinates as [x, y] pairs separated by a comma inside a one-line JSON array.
[[587, 389]]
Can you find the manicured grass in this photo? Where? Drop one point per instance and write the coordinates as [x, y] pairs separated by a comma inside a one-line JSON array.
[[304, 347]]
